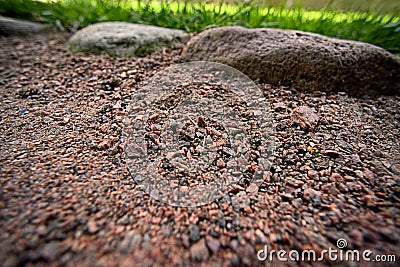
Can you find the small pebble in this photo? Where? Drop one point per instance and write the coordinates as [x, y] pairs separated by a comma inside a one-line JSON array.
[[199, 251], [213, 244]]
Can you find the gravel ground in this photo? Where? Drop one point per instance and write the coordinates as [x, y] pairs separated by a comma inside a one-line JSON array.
[[67, 197]]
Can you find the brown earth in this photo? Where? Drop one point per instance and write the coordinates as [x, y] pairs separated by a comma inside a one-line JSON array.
[[67, 198]]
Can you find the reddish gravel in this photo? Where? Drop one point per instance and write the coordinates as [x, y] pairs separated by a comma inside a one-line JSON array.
[[67, 198]]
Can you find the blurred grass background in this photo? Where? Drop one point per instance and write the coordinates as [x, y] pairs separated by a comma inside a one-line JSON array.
[[377, 6], [373, 21]]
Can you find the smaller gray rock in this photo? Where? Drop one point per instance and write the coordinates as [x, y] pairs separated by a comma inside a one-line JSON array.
[[125, 39], [194, 233], [10, 26]]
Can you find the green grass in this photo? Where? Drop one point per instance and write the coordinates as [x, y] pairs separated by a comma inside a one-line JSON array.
[[381, 30]]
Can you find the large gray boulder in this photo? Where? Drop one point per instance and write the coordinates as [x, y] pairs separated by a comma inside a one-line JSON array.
[[298, 59], [11, 26], [124, 39]]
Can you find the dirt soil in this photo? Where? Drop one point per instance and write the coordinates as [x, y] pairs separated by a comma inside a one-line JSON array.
[[68, 199]]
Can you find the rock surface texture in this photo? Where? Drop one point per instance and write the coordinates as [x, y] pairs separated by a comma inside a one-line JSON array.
[[10, 26], [302, 60], [124, 39]]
